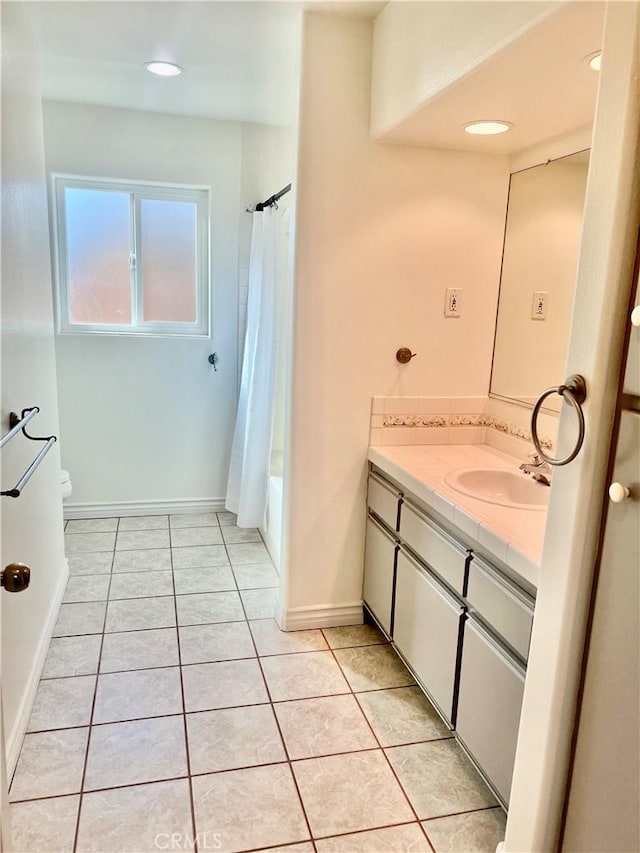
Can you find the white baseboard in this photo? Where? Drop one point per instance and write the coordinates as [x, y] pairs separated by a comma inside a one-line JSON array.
[[15, 737], [130, 508], [320, 616]]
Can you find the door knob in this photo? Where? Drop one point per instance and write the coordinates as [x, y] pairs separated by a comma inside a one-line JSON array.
[[213, 360], [618, 492], [15, 577], [635, 316]]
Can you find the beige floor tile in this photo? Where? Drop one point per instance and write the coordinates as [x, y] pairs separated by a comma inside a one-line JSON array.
[[260, 603], [135, 614], [353, 635], [62, 703], [140, 819], [270, 640], [256, 576], [140, 693], [92, 525], [305, 847], [77, 543], [210, 686], [50, 764], [193, 519], [226, 518], [139, 751], [408, 838], [475, 832], [72, 656], [251, 552], [209, 607], [78, 619], [439, 779], [43, 825], [150, 560], [183, 537], [231, 738], [347, 793], [253, 808], [209, 643], [144, 522], [139, 650], [196, 556], [141, 584], [87, 588], [402, 715], [314, 727], [236, 535], [204, 579], [302, 676], [91, 563], [140, 540], [373, 668]]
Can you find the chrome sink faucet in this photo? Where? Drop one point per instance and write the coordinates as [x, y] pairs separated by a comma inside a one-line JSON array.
[[539, 470]]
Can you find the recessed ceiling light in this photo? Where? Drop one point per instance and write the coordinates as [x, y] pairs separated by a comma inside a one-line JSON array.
[[487, 128], [163, 69], [594, 60]]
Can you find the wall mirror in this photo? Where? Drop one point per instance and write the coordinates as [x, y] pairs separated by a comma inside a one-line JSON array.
[[539, 265]]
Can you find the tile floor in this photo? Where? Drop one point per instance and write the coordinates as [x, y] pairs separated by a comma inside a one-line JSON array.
[[174, 715]]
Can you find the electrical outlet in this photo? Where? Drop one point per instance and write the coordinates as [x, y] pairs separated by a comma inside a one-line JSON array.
[[539, 305], [452, 305]]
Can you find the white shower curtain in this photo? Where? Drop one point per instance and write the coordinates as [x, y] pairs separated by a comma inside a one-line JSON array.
[[251, 449]]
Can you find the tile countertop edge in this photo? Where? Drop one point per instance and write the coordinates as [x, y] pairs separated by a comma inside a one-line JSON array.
[[495, 540]]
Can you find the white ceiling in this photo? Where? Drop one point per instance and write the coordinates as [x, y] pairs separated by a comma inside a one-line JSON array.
[[239, 58], [540, 83]]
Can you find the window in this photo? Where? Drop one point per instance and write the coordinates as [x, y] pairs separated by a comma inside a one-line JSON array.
[[131, 258]]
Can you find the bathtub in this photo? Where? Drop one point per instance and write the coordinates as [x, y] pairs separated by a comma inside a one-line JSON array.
[[272, 531]]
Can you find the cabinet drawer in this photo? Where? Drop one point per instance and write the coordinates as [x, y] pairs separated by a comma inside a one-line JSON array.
[[508, 610], [379, 569], [383, 500], [632, 374], [489, 705], [441, 553], [426, 627]]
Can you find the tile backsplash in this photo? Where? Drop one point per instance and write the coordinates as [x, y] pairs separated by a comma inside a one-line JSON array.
[[457, 420]]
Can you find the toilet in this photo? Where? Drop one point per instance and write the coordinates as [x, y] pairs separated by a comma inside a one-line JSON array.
[[65, 484]]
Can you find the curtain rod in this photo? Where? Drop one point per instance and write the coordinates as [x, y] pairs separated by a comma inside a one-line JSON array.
[[272, 200]]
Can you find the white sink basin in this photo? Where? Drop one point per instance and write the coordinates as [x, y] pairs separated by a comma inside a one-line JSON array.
[[495, 486]]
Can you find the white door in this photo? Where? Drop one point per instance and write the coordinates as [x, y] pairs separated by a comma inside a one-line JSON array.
[[32, 523], [603, 287]]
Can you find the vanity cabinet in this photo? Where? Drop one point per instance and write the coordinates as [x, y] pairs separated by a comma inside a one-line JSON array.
[[489, 704], [460, 623], [434, 546], [379, 573], [497, 602], [426, 628]]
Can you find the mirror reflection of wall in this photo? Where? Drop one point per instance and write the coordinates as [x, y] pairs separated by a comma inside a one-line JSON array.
[[539, 265]]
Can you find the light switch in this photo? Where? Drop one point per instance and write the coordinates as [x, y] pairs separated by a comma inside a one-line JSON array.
[[539, 305]]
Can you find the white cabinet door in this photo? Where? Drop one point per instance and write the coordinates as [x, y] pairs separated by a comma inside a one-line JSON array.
[[426, 626], [379, 566], [489, 705]]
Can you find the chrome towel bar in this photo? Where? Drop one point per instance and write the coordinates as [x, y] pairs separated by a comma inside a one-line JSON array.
[[574, 391], [18, 424]]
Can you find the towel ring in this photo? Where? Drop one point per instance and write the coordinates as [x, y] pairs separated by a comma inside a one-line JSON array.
[[574, 391]]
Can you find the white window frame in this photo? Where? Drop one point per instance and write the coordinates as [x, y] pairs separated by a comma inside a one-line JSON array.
[[138, 191]]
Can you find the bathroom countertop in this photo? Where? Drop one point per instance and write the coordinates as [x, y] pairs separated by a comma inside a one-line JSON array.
[[514, 536]]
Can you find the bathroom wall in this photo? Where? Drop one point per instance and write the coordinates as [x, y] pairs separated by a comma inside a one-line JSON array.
[[381, 232], [32, 523]]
